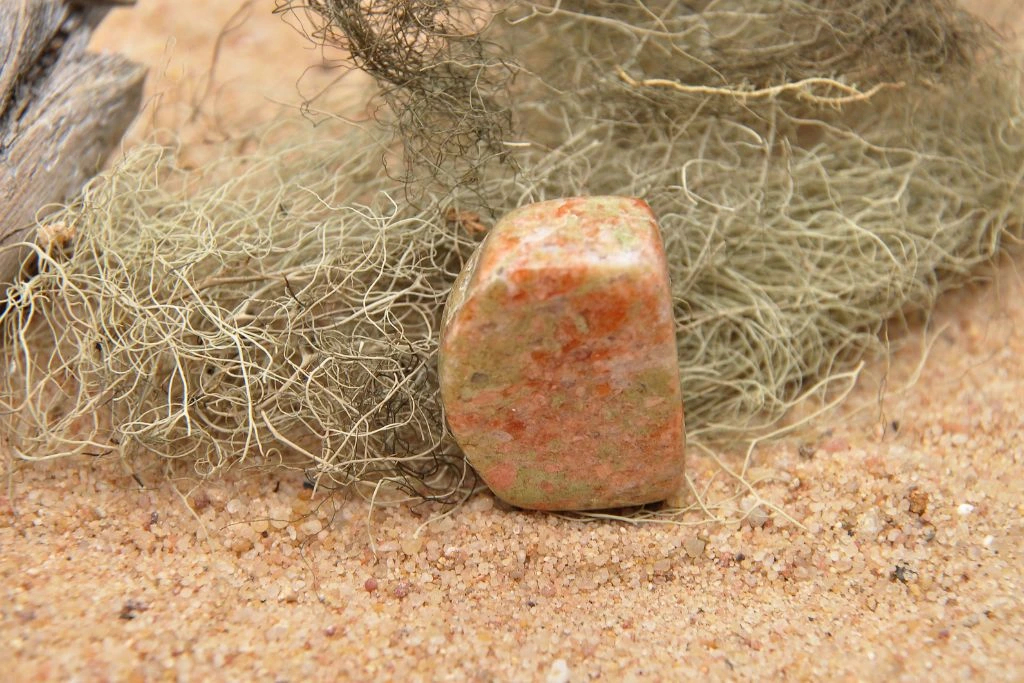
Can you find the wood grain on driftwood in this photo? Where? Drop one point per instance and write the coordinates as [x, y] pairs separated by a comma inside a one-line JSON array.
[[62, 111]]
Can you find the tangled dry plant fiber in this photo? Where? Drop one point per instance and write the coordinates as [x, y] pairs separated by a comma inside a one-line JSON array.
[[443, 87], [266, 317], [819, 168]]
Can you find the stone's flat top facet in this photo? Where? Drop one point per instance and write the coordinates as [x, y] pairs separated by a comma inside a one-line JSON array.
[[606, 231], [558, 358]]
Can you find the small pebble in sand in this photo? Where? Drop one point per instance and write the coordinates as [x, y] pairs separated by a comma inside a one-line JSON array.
[[412, 545], [559, 672], [756, 517], [918, 501], [694, 546]]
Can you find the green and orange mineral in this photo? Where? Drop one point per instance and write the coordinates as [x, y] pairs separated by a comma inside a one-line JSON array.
[[559, 370]]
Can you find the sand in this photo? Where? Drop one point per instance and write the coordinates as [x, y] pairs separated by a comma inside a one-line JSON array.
[[902, 559]]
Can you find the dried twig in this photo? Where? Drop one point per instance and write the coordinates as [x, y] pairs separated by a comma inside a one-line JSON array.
[[62, 111]]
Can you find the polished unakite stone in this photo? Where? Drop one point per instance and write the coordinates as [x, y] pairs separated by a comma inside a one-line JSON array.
[[559, 372]]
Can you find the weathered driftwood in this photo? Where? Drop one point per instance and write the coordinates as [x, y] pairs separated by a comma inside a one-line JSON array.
[[62, 111]]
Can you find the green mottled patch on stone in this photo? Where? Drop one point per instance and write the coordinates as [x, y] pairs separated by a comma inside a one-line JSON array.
[[529, 489]]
